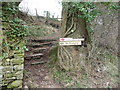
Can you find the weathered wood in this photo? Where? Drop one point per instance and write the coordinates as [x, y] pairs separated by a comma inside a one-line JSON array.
[[41, 62], [34, 55], [41, 48], [39, 44], [46, 38]]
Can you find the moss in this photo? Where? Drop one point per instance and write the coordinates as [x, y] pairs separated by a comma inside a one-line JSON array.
[[8, 75], [61, 77], [19, 74], [53, 55], [17, 61], [19, 67], [15, 84]]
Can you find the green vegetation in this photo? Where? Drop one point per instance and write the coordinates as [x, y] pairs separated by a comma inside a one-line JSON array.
[[87, 11], [98, 69], [100, 64], [107, 64], [41, 31], [14, 26], [15, 29]]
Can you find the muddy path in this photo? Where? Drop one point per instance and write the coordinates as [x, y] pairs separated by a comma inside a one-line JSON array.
[[36, 65]]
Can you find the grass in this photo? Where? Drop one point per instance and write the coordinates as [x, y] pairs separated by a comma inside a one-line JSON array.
[[41, 30], [68, 80], [109, 73], [61, 77]]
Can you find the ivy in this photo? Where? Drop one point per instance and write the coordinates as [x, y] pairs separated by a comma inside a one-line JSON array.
[[17, 29], [87, 11], [111, 6], [14, 28]]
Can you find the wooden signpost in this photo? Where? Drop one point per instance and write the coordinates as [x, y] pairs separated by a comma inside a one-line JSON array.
[[70, 41]]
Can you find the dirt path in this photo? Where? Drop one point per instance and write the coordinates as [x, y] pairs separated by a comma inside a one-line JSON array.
[[37, 75]]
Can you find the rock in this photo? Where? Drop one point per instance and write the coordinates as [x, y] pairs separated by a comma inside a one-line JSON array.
[[7, 68], [19, 55], [0, 79], [46, 77], [15, 84], [0, 63], [19, 67], [20, 86], [25, 86], [7, 60], [1, 67], [17, 61], [19, 75], [8, 75]]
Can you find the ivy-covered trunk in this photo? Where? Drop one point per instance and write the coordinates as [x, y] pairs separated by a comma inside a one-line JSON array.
[[72, 58]]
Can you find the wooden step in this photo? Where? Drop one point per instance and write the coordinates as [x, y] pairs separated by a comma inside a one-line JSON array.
[[40, 62], [44, 40], [41, 48], [39, 44], [34, 55], [43, 43]]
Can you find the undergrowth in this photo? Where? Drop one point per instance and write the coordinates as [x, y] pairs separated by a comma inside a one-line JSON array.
[[41, 30], [102, 72]]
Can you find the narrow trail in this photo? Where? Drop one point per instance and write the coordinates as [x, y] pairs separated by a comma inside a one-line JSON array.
[[36, 66]]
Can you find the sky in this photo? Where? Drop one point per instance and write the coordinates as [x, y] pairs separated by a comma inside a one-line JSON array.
[[30, 7]]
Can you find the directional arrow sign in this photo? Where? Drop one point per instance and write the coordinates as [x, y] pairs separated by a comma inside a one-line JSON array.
[[70, 41]]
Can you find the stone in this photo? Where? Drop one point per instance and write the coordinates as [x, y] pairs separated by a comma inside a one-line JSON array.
[[0, 79], [17, 61], [18, 52], [6, 81], [6, 63], [19, 67], [1, 67], [7, 60], [15, 84], [0, 63], [19, 74], [11, 78], [26, 87], [20, 86], [19, 55], [8, 75], [0, 76], [7, 68]]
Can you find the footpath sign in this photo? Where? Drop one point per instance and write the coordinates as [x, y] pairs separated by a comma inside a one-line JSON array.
[[70, 41]]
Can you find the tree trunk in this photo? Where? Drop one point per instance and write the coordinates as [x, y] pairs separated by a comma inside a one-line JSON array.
[[72, 58]]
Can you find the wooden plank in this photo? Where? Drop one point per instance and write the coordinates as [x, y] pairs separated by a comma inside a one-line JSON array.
[[39, 44], [34, 55], [41, 48], [41, 62]]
